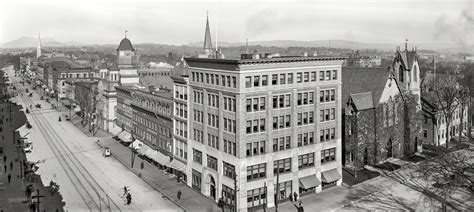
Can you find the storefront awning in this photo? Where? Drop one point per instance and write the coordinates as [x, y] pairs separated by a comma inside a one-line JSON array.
[[115, 131], [143, 149], [178, 165], [330, 176], [159, 157], [309, 181], [136, 144], [125, 136]]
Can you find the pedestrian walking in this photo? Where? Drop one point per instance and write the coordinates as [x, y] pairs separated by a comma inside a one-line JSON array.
[[5, 159], [179, 194], [5, 168], [295, 196], [9, 177], [291, 197], [299, 207], [11, 165], [129, 198]]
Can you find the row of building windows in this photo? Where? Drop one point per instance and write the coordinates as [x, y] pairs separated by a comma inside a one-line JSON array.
[[327, 114], [281, 122], [287, 78], [305, 139], [306, 161], [181, 92], [327, 134], [229, 104], [182, 149], [255, 104], [327, 95], [305, 98], [198, 97], [214, 79], [228, 169], [257, 171], [198, 135], [213, 120], [198, 116], [213, 141], [255, 148], [255, 126], [229, 125], [182, 128], [229, 147], [228, 195], [181, 110], [160, 129], [328, 155], [305, 118], [162, 108], [281, 101], [213, 100], [281, 143]]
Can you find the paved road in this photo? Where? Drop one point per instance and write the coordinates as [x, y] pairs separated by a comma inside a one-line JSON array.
[[87, 180]]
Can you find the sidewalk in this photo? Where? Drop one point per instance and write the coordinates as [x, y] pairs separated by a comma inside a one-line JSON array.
[[13, 195], [164, 183]]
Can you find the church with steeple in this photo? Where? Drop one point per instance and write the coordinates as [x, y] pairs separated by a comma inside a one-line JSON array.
[[407, 71], [208, 51]]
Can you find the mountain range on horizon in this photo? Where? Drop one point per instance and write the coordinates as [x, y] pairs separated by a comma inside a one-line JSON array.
[[28, 42]]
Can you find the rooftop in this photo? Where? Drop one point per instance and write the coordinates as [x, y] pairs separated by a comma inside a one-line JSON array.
[[364, 80], [125, 45]]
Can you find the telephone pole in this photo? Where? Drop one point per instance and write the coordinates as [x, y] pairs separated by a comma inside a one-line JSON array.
[[277, 187], [38, 196], [234, 206]]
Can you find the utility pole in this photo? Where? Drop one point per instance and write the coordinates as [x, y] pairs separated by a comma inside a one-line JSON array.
[[234, 206], [266, 196], [277, 187], [38, 196]]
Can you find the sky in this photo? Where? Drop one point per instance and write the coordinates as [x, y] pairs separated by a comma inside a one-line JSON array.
[[183, 21]]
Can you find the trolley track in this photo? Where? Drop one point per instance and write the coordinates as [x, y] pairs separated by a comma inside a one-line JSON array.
[[88, 188]]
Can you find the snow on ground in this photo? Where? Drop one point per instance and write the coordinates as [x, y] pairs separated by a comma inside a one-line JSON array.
[[108, 172]]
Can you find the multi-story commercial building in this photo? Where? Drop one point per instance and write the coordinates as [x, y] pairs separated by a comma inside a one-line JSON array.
[[253, 121]]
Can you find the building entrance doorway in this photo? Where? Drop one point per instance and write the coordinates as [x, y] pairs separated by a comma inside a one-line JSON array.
[[212, 189], [389, 148]]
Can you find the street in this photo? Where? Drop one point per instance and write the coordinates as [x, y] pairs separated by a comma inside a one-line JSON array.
[[88, 181]]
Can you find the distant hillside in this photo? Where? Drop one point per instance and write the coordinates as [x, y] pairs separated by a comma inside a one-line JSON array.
[[25, 42], [340, 44]]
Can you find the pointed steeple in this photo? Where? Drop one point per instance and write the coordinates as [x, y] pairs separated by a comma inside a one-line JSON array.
[[207, 37]]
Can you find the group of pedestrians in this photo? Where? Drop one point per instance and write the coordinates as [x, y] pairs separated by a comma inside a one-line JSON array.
[[9, 176], [294, 197]]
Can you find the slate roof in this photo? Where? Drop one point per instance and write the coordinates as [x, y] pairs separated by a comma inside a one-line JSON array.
[[362, 81], [125, 45], [407, 58], [363, 101]]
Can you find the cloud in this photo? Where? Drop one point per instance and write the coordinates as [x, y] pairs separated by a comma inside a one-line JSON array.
[[459, 31]]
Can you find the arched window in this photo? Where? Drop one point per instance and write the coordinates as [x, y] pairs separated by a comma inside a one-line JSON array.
[[400, 74]]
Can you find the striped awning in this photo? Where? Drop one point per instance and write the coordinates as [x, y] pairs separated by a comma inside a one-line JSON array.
[[125, 136], [178, 165], [143, 150]]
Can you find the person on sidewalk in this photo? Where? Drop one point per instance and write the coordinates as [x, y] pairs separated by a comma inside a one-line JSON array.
[[295, 196], [291, 197], [9, 177], [299, 207], [129, 198], [179, 194], [5, 167], [5, 159], [11, 165]]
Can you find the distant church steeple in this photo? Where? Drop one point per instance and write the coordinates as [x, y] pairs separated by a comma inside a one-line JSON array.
[[38, 49], [207, 37]]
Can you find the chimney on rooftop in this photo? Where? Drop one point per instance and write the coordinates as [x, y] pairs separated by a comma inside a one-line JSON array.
[[255, 55]]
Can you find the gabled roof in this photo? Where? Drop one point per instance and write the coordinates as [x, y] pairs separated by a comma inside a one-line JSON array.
[[125, 45], [407, 58], [364, 81], [362, 101]]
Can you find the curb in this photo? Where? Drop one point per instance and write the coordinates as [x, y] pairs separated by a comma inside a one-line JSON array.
[[150, 184]]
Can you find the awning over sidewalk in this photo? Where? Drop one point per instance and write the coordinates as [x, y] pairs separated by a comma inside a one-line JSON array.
[[330, 176], [136, 144], [309, 181], [143, 150], [159, 157], [178, 165], [115, 131], [125, 136]]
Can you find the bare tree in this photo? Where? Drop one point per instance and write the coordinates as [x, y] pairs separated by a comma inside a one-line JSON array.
[[467, 82], [446, 97]]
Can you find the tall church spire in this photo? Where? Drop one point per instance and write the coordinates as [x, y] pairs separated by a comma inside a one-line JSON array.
[[38, 49], [207, 37]]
